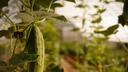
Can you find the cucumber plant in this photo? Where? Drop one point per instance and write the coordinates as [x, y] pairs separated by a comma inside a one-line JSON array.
[[28, 36]]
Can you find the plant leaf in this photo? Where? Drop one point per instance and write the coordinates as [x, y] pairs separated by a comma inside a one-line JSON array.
[[54, 5], [81, 6], [98, 20], [101, 10], [96, 6], [109, 31], [75, 29], [22, 58], [71, 1], [62, 18], [106, 1], [123, 19], [43, 3], [46, 3]]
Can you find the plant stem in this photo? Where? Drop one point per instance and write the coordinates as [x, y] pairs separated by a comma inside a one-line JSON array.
[[33, 2], [41, 21], [10, 41], [13, 52], [125, 48], [12, 23], [24, 4], [50, 5], [26, 27], [43, 60], [28, 2]]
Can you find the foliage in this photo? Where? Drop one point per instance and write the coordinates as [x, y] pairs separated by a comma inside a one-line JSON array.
[[123, 19], [109, 31]]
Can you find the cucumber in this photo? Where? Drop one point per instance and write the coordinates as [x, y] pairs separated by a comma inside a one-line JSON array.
[[35, 45]]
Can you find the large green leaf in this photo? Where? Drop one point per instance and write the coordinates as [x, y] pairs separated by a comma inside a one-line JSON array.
[[108, 31]]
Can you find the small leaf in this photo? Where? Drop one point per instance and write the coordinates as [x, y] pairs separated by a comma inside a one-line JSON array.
[[98, 20], [81, 6], [109, 31], [71, 1], [56, 5], [96, 6], [106, 1], [101, 10], [62, 18], [75, 29]]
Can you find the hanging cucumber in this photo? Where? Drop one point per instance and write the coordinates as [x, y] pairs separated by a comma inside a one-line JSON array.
[[35, 45]]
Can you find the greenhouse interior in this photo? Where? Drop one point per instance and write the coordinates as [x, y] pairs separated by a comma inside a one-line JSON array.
[[63, 36]]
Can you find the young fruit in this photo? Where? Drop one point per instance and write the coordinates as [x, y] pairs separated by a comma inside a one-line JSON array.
[[35, 45]]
